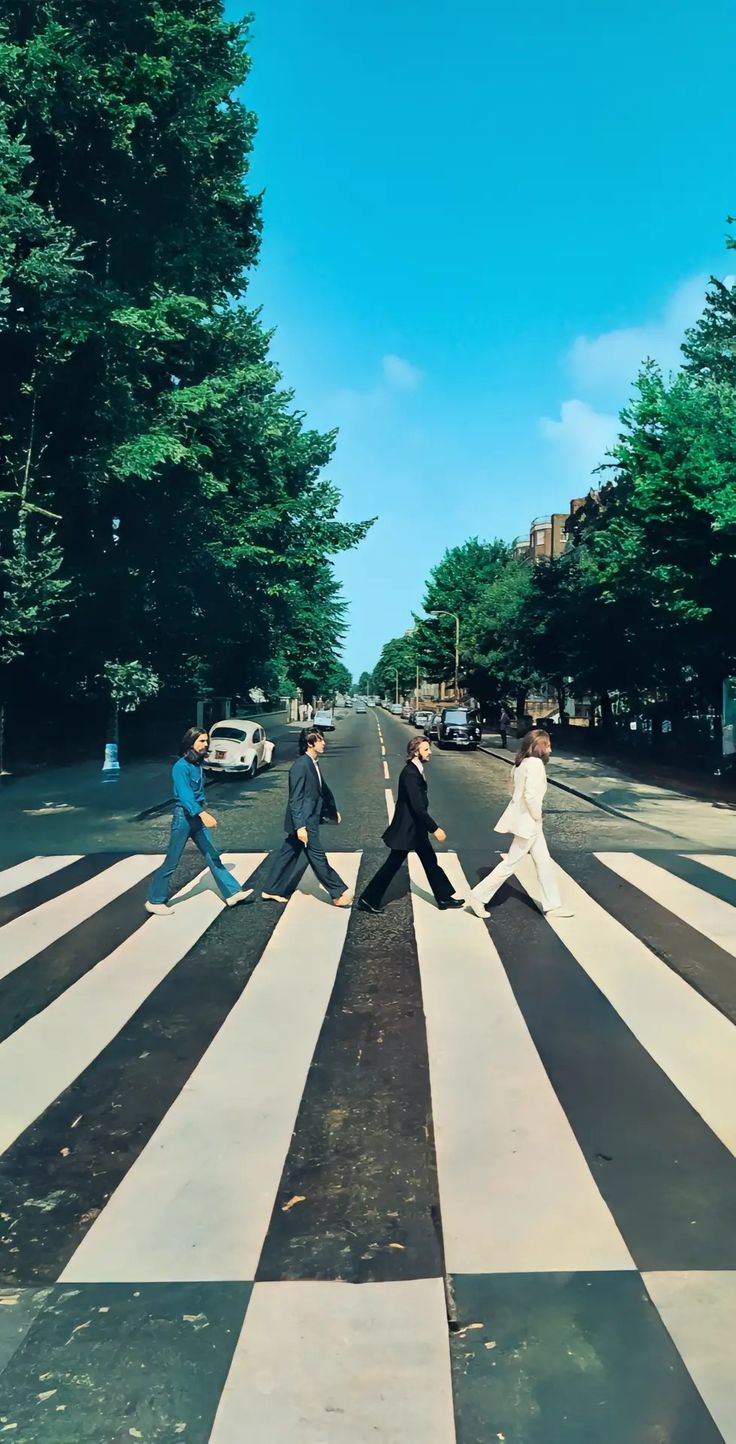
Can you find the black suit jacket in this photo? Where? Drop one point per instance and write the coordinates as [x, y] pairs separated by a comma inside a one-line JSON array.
[[308, 804], [411, 818]]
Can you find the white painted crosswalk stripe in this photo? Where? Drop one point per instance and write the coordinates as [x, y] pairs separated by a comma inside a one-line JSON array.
[[28, 935], [336, 1363], [197, 1202], [698, 1310], [709, 915], [724, 863], [516, 1191], [43, 1057], [691, 1040], [35, 868]]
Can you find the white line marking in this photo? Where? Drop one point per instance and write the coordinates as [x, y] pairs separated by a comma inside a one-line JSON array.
[[719, 862], [692, 1042], [698, 1310], [390, 804], [386, 771], [43, 1057], [336, 1363], [708, 915], [516, 1192], [33, 870], [197, 1202], [25, 936]]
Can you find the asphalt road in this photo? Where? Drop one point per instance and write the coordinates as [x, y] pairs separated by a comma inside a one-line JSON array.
[[514, 1139]]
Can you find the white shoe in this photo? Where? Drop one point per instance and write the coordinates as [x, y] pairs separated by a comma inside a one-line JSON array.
[[162, 910], [238, 897], [559, 913], [478, 908]]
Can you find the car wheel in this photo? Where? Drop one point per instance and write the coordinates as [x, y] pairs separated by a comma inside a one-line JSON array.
[[253, 769], [270, 760]]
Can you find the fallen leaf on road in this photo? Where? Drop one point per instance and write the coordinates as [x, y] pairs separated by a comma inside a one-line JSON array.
[[490, 1345], [396, 1245], [298, 1198]]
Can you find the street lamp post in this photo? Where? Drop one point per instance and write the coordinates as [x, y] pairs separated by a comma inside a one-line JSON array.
[[437, 613], [396, 670]]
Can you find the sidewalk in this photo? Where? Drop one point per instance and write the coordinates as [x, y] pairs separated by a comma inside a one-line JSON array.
[[702, 821]]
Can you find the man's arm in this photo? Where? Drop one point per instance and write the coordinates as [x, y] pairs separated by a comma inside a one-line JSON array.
[[534, 787], [183, 790], [415, 799], [329, 806], [297, 793]]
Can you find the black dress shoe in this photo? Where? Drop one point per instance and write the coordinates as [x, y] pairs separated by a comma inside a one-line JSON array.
[[452, 902], [366, 907]]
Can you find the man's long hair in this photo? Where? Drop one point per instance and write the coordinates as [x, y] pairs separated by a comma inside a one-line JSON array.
[[307, 738], [533, 745], [412, 748], [186, 746]]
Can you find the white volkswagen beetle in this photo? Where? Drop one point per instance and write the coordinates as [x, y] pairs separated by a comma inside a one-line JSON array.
[[238, 746]]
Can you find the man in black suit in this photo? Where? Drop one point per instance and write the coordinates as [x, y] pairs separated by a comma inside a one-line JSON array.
[[310, 803], [409, 832]]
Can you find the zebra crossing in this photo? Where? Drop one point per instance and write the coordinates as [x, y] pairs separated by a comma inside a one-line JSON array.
[[291, 1175]]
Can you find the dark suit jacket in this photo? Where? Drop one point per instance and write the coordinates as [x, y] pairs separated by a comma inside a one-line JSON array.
[[308, 804], [411, 817]]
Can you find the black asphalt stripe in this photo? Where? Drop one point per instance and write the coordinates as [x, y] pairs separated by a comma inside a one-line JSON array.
[[579, 1357], [708, 968], [362, 1154], [29, 989], [30, 897], [697, 873], [48, 1198], [669, 1182]]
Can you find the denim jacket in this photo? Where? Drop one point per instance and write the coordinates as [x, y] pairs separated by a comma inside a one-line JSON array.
[[188, 780]]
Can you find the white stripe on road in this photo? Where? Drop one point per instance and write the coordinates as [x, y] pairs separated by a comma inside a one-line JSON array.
[[516, 1193], [337, 1363], [43, 1057], [25, 936], [691, 1040], [386, 771], [33, 870], [390, 804], [707, 914], [720, 862], [197, 1202], [698, 1310]]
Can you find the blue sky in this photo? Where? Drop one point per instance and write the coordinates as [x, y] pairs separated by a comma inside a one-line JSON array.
[[478, 219]]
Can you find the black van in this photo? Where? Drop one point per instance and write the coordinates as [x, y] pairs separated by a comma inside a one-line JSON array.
[[459, 727]]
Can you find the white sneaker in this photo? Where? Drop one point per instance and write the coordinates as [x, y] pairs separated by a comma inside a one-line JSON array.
[[162, 910], [561, 912], [238, 897], [478, 908]]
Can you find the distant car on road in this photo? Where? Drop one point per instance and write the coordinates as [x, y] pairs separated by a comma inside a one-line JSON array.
[[395, 709], [459, 727], [324, 719], [421, 718], [361, 707], [238, 747], [431, 727]]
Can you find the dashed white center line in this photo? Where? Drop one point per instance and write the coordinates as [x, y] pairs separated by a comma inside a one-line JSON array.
[[390, 804], [385, 771]]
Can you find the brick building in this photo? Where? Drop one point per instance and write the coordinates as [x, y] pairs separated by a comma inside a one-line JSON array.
[[548, 534]]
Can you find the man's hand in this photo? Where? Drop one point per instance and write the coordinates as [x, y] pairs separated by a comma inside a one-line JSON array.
[[208, 819], [303, 835], [440, 834]]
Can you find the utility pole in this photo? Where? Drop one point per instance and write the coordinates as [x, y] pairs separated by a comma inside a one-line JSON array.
[[396, 670], [437, 613]]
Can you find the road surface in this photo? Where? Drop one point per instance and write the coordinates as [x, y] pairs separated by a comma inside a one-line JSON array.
[[306, 1176]]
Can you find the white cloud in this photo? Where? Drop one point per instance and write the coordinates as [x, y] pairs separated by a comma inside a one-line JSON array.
[[610, 362], [400, 373], [582, 436]]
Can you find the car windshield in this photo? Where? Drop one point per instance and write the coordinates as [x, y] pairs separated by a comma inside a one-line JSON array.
[[455, 715], [228, 734]]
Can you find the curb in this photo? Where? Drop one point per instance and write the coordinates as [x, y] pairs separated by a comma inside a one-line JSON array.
[[585, 797]]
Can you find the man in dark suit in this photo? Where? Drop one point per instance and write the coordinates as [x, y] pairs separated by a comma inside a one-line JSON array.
[[310, 803], [408, 832]]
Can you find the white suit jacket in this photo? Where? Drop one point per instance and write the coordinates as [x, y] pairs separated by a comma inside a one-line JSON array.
[[523, 816]]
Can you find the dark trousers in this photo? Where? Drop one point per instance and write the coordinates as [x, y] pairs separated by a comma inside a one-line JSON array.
[[438, 880], [290, 864]]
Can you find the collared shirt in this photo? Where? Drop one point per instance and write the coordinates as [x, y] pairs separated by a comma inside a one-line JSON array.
[[419, 765], [319, 774], [188, 782]]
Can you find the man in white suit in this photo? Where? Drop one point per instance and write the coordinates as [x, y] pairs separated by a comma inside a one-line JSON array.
[[523, 818]]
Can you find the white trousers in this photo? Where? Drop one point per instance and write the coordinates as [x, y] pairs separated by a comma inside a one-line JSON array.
[[537, 849]]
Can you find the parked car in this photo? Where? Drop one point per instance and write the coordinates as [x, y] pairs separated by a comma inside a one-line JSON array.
[[324, 719], [459, 727], [238, 746], [395, 709], [361, 707], [431, 727], [421, 718]]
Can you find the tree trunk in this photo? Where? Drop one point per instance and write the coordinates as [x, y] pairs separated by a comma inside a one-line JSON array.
[[606, 712], [111, 764], [2, 738]]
